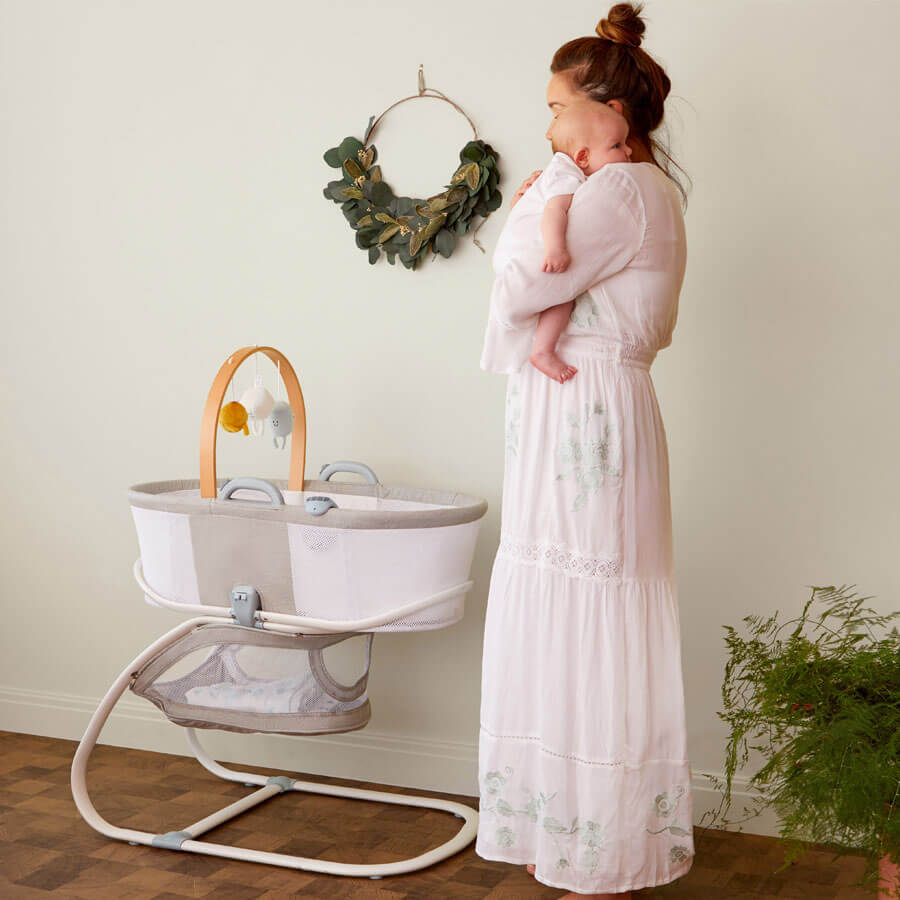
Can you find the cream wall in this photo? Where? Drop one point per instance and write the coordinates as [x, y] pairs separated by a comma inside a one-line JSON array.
[[161, 192]]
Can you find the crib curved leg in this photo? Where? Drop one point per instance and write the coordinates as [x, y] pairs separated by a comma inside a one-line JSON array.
[[98, 720], [185, 839]]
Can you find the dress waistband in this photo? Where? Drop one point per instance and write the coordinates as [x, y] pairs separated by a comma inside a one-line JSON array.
[[603, 348]]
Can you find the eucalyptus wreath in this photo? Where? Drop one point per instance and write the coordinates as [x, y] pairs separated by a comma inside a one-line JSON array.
[[407, 226]]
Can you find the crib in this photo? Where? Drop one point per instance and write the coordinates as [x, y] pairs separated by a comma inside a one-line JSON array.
[[272, 573]]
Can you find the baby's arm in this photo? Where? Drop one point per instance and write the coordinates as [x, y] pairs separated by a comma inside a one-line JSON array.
[[553, 231]]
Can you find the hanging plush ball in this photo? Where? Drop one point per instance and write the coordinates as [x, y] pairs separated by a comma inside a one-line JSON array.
[[258, 402], [233, 417], [281, 421]]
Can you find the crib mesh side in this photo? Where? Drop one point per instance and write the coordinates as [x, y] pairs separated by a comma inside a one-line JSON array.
[[243, 679]]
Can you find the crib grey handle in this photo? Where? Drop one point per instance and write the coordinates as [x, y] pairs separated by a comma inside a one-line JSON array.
[[252, 484], [348, 466]]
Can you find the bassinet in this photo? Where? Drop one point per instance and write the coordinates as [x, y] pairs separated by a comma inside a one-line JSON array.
[[272, 583]]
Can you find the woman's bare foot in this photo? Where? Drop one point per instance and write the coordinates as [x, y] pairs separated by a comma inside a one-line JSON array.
[[551, 365], [573, 896]]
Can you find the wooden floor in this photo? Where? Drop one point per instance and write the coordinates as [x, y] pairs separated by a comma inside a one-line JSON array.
[[46, 848]]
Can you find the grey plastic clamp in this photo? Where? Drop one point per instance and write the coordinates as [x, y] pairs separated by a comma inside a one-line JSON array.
[[171, 840], [245, 604], [252, 484], [348, 466], [318, 506], [282, 781]]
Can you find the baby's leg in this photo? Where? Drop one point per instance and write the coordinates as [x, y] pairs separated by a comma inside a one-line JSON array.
[[543, 357]]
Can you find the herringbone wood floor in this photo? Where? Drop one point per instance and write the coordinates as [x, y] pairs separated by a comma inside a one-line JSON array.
[[46, 848]]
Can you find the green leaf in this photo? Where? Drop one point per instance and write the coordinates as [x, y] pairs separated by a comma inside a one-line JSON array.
[[332, 157], [444, 242], [349, 147], [474, 151], [374, 253], [381, 194]]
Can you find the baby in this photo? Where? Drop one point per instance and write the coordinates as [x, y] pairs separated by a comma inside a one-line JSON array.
[[584, 138]]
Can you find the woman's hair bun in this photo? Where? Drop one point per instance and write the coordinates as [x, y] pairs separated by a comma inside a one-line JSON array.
[[622, 25]]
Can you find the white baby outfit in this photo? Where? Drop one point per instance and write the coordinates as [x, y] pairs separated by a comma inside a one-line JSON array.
[[583, 766], [521, 233]]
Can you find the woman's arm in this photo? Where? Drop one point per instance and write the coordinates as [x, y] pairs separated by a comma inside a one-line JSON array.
[[605, 231]]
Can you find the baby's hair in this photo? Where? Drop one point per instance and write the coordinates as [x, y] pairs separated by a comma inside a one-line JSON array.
[[612, 66]]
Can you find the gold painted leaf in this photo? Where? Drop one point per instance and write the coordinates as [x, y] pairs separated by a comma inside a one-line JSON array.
[[354, 192], [365, 220], [438, 202], [384, 217], [434, 226], [375, 173], [388, 233], [473, 175], [457, 194], [352, 169], [366, 157], [423, 209], [415, 242]]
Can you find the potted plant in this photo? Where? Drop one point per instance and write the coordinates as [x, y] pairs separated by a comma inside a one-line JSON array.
[[822, 705]]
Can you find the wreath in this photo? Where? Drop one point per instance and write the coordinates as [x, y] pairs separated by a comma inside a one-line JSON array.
[[407, 226]]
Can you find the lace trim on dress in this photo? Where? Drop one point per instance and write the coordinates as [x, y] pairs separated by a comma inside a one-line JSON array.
[[556, 556]]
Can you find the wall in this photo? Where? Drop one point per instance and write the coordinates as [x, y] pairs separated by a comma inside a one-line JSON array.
[[161, 189]]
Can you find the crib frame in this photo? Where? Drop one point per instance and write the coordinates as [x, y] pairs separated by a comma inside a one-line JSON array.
[[185, 839]]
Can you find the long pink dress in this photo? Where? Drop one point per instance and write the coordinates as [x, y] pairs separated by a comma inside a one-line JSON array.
[[583, 765]]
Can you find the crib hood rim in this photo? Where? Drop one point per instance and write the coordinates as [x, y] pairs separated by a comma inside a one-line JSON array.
[[458, 508]]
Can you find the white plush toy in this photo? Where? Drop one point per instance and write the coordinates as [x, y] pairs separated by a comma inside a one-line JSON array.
[[259, 403], [281, 421]]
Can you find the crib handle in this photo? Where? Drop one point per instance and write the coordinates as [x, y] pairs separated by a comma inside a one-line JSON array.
[[347, 466], [210, 424], [252, 484]]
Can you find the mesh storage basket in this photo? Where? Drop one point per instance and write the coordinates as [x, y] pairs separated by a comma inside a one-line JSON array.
[[243, 679]]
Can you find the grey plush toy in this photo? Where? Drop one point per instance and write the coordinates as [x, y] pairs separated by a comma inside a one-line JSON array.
[[281, 421]]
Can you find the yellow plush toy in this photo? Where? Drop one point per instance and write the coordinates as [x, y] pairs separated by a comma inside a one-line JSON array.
[[233, 417]]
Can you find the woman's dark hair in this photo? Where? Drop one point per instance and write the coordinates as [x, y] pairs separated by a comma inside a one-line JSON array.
[[612, 66]]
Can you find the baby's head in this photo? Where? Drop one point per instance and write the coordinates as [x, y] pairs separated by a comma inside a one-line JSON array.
[[592, 134]]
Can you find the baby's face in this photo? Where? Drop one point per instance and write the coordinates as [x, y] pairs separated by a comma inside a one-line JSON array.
[[592, 134]]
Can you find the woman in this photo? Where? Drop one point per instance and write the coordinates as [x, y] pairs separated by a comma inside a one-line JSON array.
[[583, 763]]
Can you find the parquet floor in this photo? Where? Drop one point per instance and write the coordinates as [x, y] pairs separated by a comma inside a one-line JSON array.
[[46, 848]]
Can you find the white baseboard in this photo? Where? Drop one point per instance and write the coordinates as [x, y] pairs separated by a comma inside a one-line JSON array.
[[365, 755]]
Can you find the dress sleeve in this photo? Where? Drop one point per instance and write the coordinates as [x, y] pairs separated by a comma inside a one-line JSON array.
[[605, 231]]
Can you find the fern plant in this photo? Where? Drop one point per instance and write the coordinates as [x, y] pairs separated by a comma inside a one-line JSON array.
[[822, 705]]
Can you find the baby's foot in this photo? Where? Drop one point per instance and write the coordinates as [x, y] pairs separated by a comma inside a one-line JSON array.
[[530, 868], [556, 261], [551, 365]]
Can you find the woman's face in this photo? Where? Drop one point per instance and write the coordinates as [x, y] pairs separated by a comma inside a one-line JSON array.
[[562, 93]]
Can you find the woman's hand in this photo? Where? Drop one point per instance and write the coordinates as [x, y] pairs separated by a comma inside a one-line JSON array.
[[525, 185]]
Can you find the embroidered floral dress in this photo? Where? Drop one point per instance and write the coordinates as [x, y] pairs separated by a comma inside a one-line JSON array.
[[583, 765]]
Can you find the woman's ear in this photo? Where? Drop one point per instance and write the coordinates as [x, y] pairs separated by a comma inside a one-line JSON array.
[[617, 106]]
